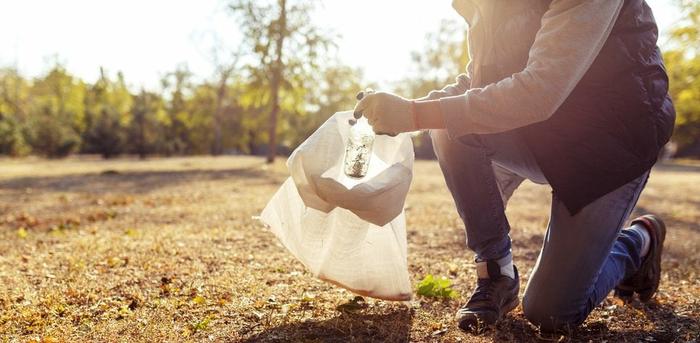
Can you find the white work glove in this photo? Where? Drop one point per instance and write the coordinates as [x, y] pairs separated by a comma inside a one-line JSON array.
[[387, 113]]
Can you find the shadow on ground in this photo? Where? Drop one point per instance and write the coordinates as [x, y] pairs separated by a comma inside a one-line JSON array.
[[678, 167], [669, 326], [391, 327], [133, 181], [395, 327]]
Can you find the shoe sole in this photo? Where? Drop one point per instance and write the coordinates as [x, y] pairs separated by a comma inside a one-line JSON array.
[[503, 311]]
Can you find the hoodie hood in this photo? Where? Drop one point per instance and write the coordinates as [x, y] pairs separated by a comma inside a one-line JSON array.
[[468, 9]]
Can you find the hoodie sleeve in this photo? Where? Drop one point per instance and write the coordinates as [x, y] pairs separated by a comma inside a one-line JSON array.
[[572, 34], [461, 85]]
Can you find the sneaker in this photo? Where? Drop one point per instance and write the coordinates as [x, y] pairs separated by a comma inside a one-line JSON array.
[[645, 282], [495, 295]]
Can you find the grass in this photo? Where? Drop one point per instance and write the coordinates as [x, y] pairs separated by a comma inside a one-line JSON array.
[[168, 250]]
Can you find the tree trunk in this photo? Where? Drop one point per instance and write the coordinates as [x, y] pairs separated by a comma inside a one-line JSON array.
[[217, 148], [276, 80], [272, 129], [251, 142], [142, 135]]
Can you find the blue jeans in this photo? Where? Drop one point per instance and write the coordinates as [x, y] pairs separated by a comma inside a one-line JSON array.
[[583, 257]]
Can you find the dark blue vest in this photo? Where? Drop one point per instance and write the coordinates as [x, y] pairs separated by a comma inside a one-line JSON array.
[[611, 128]]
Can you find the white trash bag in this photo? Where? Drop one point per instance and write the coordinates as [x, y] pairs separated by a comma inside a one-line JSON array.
[[349, 232]]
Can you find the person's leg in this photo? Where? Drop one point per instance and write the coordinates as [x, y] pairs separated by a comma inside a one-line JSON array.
[[480, 172], [507, 182], [583, 258], [479, 193]]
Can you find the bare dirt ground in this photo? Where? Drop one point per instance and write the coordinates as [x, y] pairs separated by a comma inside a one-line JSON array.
[[168, 250]]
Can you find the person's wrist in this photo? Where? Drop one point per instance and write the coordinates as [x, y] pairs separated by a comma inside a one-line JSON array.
[[428, 115]]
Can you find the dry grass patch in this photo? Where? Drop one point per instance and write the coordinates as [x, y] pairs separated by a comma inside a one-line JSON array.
[[167, 250]]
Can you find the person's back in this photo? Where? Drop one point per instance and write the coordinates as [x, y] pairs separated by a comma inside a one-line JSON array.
[[617, 110]]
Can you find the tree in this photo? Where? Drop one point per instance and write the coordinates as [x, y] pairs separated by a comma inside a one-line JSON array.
[[226, 68], [204, 115], [143, 131], [56, 113], [177, 87], [281, 35], [253, 109], [444, 56], [107, 105], [14, 97], [11, 139], [683, 64], [335, 89], [221, 95]]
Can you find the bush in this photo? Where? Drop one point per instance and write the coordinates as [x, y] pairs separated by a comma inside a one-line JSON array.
[[11, 139], [51, 138]]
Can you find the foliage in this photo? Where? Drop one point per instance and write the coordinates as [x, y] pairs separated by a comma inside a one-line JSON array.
[[11, 139], [281, 90], [335, 86], [444, 56], [286, 68], [56, 113], [108, 105], [683, 64], [177, 86], [288, 48], [201, 325], [144, 129], [434, 287], [14, 93], [52, 137]]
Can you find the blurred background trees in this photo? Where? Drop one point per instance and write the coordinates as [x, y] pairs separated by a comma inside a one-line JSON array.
[[288, 48], [107, 112], [265, 97], [444, 56], [683, 64], [55, 113], [14, 100]]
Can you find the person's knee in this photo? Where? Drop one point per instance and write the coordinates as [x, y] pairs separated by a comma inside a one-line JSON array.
[[547, 321], [546, 314], [446, 148]]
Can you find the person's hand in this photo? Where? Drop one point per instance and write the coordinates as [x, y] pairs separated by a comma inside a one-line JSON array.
[[387, 113]]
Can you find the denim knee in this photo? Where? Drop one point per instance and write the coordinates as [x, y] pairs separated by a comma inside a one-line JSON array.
[[446, 148], [548, 317]]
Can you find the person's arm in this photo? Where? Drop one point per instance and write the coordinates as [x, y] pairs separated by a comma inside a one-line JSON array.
[[572, 34], [461, 85]]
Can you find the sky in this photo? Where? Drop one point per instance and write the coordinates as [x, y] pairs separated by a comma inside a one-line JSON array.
[[147, 38]]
